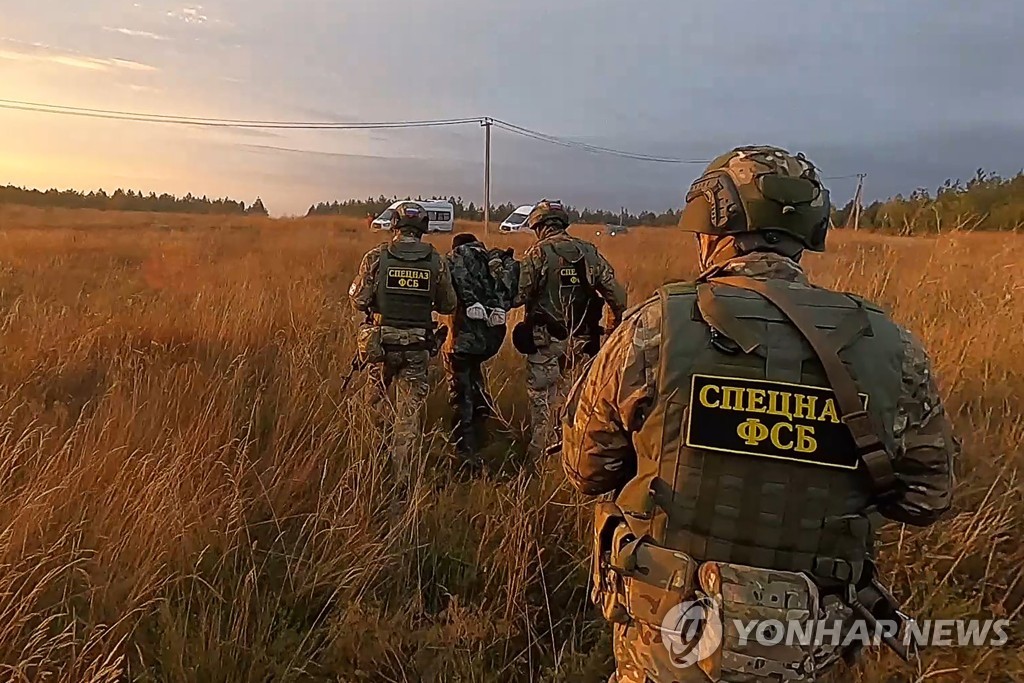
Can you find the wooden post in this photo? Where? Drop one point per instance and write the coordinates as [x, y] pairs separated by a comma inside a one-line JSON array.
[[487, 175]]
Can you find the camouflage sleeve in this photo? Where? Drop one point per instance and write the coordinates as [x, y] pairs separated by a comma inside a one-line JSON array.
[[926, 446], [603, 276], [510, 280], [445, 300], [610, 403], [364, 286], [531, 276], [460, 277]]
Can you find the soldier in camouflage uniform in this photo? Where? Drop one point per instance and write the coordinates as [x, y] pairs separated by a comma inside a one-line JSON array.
[[485, 282], [399, 285], [564, 283], [722, 423]]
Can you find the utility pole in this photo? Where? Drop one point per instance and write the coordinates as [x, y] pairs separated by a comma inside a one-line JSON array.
[[859, 200], [854, 218], [487, 123]]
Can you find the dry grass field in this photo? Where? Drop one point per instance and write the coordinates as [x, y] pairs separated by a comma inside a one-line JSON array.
[[186, 496]]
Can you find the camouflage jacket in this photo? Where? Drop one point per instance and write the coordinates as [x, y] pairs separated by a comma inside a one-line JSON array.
[[610, 402], [485, 277], [533, 278], [364, 287]]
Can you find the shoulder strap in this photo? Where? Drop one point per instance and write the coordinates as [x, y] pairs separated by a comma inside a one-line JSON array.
[[877, 461]]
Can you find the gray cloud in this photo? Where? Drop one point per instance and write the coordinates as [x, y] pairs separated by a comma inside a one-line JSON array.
[[910, 93]]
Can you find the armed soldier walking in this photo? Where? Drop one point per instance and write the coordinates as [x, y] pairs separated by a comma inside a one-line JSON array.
[[754, 429], [399, 285], [564, 283], [485, 282]]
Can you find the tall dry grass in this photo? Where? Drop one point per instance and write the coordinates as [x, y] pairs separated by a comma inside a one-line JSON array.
[[185, 495]]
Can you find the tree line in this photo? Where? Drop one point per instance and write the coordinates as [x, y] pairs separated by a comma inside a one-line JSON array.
[[985, 202], [128, 200], [374, 206]]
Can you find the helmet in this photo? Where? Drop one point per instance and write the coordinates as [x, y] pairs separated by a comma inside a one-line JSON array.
[[759, 189], [547, 211], [411, 215]]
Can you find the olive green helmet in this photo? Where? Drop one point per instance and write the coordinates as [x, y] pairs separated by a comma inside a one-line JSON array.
[[547, 211], [759, 189], [411, 215]]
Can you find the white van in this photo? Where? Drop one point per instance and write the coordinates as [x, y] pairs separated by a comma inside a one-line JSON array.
[[441, 214], [517, 219]]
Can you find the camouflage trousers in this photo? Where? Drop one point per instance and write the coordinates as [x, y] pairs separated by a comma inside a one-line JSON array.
[[470, 402], [407, 371], [548, 378]]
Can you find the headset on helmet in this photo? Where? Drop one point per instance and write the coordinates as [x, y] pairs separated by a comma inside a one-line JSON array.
[[759, 189]]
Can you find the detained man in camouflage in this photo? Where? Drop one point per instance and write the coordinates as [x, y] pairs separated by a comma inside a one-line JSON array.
[[399, 285], [755, 429], [564, 283], [485, 282]]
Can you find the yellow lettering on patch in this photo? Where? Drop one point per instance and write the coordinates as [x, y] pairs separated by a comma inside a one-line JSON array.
[[805, 441], [778, 404], [829, 413], [704, 396], [755, 401], [752, 432], [768, 418], [732, 398], [805, 407], [777, 436], [408, 279]]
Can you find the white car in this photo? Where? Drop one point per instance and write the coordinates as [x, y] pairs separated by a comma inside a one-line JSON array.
[[440, 213], [517, 219]]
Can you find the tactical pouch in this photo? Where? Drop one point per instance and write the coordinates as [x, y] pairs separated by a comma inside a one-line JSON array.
[[396, 339], [369, 344], [662, 579], [632, 577], [762, 601], [606, 584]]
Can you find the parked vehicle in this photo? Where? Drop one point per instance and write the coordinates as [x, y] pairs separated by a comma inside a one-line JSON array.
[[441, 214], [517, 219]]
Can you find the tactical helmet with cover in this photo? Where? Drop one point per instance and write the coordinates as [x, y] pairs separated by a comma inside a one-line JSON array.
[[547, 212], [411, 216], [759, 189]]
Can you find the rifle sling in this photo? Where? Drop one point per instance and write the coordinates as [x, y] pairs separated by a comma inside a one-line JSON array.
[[870, 448]]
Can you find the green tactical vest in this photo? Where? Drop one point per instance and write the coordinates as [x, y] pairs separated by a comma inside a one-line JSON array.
[[406, 282], [568, 297], [742, 459]]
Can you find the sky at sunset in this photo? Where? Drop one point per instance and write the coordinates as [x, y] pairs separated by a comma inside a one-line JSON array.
[[910, 92]]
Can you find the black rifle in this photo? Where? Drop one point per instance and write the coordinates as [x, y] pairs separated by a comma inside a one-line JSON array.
[[357, 365], [873, 603]]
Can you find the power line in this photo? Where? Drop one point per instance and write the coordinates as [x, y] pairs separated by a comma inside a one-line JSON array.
[[575, 144], [216, 122], [108, 114]]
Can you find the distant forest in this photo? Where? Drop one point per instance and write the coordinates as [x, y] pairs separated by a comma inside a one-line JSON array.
[[361, 208], [128, 200], [985, 202]]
